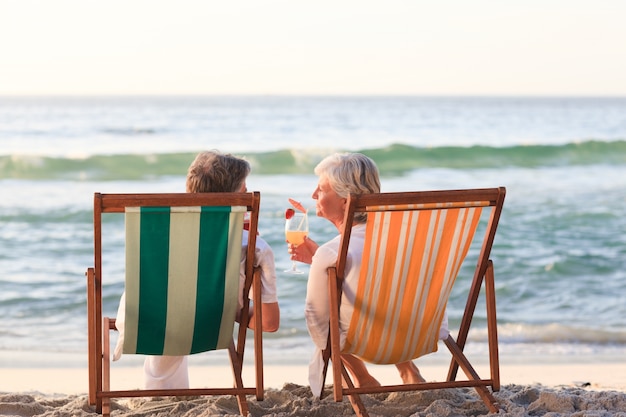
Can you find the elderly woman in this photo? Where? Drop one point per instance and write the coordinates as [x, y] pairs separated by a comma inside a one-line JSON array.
[[339, 176]]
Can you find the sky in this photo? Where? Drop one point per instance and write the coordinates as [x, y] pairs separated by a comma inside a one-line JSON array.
[[292, 47]]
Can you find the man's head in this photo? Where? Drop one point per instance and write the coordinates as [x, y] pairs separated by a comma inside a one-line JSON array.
[[214, 172]]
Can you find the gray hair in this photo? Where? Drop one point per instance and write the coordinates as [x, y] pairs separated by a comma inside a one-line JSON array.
[[350, 173]]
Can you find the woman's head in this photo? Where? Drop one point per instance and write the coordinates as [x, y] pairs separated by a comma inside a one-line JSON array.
[[215, 172], [350, 173], [340, 175]]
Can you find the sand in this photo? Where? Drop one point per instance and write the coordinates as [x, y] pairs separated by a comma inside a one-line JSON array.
[[590, 389]]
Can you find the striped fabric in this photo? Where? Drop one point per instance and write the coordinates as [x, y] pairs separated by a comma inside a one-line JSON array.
[[410, 262], [182, 278]]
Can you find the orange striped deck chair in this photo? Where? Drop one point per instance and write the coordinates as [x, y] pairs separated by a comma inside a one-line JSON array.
[[182, 287], [415, 244]]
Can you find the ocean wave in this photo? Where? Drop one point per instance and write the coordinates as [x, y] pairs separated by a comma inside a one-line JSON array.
[[395, 159], [129, 131], [516, 333]]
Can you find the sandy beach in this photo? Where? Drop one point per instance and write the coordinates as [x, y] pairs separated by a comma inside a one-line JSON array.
[[590, 389]]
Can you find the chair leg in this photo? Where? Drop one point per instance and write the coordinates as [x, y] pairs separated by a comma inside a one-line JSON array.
[[325, 358], [258, 365], [492, 326], [471, 374], [91, 328], [237, 365], [334, 290], [106, 366], [355, 399], [258, 335]]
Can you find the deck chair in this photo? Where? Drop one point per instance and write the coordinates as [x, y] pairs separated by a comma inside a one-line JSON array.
[[183, 256], [415, 243]]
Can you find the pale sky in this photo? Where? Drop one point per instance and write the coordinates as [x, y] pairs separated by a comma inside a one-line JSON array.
[[420, 47]]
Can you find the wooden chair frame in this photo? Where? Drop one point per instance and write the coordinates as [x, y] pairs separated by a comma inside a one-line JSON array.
[[100, 393], [483, 273]]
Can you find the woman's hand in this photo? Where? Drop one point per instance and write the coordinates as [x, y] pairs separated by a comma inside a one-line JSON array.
[[303, 252]]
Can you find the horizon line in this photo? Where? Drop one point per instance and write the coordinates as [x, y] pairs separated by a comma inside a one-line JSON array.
[[306, 95]]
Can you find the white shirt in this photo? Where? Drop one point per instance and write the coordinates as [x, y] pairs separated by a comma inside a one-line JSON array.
[[317, 308]]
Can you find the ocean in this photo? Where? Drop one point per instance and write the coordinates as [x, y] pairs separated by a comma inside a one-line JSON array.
[[559, 255]]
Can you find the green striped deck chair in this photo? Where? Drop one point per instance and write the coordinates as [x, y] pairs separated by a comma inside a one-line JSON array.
[[171, 293], [415, 245], [182, 286]]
